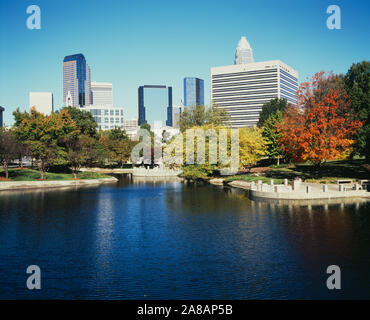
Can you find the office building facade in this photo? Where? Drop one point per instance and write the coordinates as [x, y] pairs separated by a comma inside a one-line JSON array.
[[107, 117], [42, 102], [1, 116], [142, 107], [193, 92], [101, 93], [242, 89], [76, 81], [244, 53], [176, 115]]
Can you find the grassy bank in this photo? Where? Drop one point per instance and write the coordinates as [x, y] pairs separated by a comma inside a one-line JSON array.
[[251, 177], [16, 174], [327, 173]]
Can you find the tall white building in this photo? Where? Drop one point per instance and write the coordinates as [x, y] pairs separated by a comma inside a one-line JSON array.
[[107, 117], [101, 93], [244, 53], [42, 101], [242, 89]]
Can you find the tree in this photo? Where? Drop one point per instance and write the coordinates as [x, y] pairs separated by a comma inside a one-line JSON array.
[[252, 145], [198, 115], [116, 145], [44, 135], [21, 150], [270, 132], [357, 84], [8, 149], [83, 119], [271, 108], [80, 151], [19, 117], [117, 134], [319, 128]]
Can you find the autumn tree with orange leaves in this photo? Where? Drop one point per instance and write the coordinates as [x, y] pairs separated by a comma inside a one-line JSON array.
[[319, 127]]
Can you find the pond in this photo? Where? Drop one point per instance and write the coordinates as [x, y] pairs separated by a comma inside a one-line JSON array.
[[164, 239]]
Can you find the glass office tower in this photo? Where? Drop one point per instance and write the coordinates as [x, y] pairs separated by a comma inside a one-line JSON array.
[[1, 116], [193, 92], [157, 99], [76, 80]]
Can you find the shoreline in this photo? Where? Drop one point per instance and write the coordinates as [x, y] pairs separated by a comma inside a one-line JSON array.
[[23, 185], [277, 194]]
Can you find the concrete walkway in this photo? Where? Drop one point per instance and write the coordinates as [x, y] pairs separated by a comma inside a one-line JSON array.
[[301, 190], [19, 185], [298, 190]]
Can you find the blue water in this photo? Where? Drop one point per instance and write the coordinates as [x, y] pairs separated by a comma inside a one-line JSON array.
[[167, 240]]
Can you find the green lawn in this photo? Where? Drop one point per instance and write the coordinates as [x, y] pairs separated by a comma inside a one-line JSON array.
[[33, 175], [329, 172], [252, 177]]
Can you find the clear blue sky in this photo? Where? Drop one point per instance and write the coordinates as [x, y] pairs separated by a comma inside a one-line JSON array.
[[131, 43]]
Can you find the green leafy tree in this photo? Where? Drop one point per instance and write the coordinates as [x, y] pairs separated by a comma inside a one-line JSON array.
[[115, 146], [118, 134], [8, 149], [44, 136], [198, 115], [84, 121], [357, 84], [81, 150], [270, 108], [19, 117], [272, 135]]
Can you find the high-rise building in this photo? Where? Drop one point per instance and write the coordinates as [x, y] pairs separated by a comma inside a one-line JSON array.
[[244, 53], [242, 89], [176, 115], [193, 92], [158, 112], [101, 93], [107, 117], [1, 116], [42, 101], [76, 81]]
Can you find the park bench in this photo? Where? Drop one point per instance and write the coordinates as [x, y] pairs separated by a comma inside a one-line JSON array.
[[365, 184], [344, 181]]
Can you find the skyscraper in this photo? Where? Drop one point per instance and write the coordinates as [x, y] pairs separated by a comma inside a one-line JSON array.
[[244, 53], [101, 93], [1, 116], [242, 89], [158, 111], [42, 101], [76, 81], [193, 92]]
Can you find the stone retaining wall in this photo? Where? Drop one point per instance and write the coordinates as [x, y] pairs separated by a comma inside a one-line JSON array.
[[17, 185]]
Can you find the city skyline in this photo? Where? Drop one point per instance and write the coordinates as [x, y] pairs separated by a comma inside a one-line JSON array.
[[120, 55]]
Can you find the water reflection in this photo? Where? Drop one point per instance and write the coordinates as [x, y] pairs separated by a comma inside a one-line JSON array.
[[162, 239]]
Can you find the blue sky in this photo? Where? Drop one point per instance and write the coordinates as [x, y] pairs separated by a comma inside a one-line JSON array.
[[132, 43]]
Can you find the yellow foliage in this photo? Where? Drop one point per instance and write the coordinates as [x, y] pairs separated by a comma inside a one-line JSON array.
[[252, 145]]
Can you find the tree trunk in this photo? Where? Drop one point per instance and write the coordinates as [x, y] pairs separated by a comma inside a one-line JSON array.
[[75, 174], [6, 170], [42, 170], [278, 160], [21, 162]]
